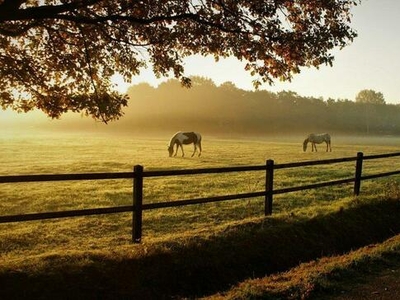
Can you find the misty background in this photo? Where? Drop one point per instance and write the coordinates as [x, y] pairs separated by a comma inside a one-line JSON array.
[[227, 111]]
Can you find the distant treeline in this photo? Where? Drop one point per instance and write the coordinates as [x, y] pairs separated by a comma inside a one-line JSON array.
[[227, 110]]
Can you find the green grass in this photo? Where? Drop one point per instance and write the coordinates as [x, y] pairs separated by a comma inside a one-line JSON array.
[[84, 243]]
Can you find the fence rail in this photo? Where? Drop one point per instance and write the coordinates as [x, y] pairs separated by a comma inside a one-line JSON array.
[[138, 174]]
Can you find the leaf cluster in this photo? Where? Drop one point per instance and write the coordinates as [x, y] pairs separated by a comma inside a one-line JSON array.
[[53, 52]]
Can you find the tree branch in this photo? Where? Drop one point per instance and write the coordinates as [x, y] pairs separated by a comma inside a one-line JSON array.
[[10, 12], [60, 12]]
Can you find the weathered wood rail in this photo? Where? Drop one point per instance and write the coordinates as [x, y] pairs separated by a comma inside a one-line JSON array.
[[138, 174]]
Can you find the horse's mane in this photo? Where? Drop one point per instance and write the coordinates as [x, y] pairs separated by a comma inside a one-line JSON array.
[[173, 138]]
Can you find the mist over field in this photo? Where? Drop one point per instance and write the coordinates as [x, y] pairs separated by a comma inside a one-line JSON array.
[[223, 111]]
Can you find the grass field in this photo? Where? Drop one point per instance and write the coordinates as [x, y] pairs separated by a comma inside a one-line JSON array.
[[48, 154]]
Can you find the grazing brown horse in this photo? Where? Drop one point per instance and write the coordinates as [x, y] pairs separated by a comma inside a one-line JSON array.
[[184, 138], [317, 139]]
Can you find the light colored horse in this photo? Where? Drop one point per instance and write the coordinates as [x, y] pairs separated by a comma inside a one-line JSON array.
[[317, 139], [184, 138]]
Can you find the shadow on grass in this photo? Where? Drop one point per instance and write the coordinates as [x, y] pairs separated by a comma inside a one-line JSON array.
[[202, 267]]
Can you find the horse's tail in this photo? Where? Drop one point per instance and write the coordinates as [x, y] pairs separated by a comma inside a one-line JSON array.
[[329, 142], [198, 137], [327, 138]]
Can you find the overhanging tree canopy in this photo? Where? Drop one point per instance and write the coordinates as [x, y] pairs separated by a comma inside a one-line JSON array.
[[59, 55]]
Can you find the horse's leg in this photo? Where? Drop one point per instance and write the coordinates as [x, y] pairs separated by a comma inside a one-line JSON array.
[[177, 148], [183, 153], [315, 147], [194, 150], [328, 146], [199, 148]]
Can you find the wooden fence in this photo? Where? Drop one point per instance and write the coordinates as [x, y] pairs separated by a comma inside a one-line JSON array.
[[139, 174]]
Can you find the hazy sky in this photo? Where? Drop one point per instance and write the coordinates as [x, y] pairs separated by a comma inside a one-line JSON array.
[[370, 62]]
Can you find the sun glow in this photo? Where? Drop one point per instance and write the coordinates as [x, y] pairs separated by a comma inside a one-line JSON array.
[[120, 84]]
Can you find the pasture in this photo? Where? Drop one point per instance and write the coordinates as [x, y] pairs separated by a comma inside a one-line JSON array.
[[52, 154], [186, 251]]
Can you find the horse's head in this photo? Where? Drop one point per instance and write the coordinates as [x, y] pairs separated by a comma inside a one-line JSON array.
[[170, 150], [305, 145]]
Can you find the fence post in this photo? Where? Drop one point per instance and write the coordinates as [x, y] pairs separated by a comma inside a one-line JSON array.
[[357, 181], [269, 186], [137, 204]]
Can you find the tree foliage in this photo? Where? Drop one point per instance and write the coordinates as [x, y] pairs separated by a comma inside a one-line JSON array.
[[60, 55], [370, 96], [226, 110]]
